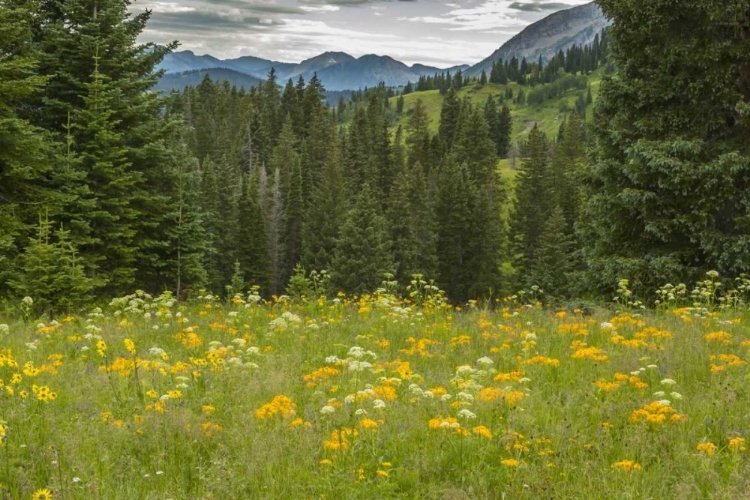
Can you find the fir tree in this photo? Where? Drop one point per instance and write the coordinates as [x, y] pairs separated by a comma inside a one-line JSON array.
[[252, 238], [449, 117], [50, 270], [362, 254], [412, 226], [533, 197], [669, 177], [553, 261], [325, 215]]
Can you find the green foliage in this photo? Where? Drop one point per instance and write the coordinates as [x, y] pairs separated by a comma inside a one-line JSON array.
[[669, 180], [362, 253], [51, 272]]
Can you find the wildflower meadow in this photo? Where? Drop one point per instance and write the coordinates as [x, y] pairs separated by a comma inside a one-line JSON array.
[[378, 396]]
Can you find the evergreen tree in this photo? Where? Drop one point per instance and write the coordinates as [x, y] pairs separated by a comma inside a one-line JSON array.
[[449, 118], [533, 197], [51, 272], [110, 250], [185, 255], [418, 135], [362, 254], [324, 217], [505, 130], [252, 238], [553, 261], [670, 178], [412, 226], [455, 232]]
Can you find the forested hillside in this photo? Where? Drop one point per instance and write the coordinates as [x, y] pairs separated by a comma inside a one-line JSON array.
[[107, 186]]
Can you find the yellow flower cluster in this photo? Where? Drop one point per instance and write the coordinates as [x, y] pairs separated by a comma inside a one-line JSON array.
[[43, 393], [719, 337], [619, 380], [656, 413], [725, 361], [280, 405], [339, 439], [708, 448], [737, 444], [584, 351], [575, 329], [626, 466], [514, 376], [320, 375], [542, 360]]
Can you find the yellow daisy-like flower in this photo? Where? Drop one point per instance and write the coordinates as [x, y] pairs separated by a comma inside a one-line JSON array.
[[42, 494]]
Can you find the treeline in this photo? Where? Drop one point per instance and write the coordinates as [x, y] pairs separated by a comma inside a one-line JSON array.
[[282, 186], [576, 60], [106, 186]]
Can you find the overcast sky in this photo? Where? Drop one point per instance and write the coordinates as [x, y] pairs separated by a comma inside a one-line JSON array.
[[434, 32]]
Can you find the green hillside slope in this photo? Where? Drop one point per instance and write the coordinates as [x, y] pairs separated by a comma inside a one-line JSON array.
[[547, 115]]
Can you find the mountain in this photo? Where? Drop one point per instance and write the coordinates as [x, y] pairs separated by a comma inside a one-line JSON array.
[[337, 70], [316, 64], [422, 70], [179, 62], [178, 81], [186, 60], [558, 31], [256, 66]]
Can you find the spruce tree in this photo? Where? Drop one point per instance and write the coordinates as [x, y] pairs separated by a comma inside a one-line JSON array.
[[324, 217], [449, 118], [553, 261], [362, 255], [669, 181], [51, 271], [455, 233], [418, 135], [413, 227], [252, 238], [533, 196]]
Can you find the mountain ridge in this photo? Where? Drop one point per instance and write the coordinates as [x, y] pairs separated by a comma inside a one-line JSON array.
[[339, 71], [546, 37]]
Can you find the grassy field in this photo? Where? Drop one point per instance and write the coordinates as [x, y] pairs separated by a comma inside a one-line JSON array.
[[374, 398], [547, 115]]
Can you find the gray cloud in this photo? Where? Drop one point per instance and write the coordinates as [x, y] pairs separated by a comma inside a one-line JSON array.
[[438, 32], [539, 6]]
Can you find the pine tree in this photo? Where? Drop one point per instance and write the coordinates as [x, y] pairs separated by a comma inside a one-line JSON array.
[[669, 181], [553, 262], [325, 216], [362, 255], [185, 255], [50, 271], [27, 154], [111, 251], [454, 215], [252, 238], [449, 117], [412, 226], [533, 197], [418, 135], [505, 130]]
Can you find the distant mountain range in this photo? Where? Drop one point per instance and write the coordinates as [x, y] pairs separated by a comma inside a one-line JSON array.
[[337, 70], [340, 71]]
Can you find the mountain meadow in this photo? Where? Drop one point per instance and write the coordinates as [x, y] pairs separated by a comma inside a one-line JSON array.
[[352, 278]]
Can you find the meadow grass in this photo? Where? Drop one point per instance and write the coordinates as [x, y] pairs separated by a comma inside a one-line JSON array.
[[548, 115], [373, 397]]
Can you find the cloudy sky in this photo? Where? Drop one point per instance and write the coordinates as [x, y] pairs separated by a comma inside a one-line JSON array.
[[434, 32]]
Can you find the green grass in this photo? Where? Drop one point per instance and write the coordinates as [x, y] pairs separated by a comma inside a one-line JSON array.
[[546, 115], [525, 418]]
